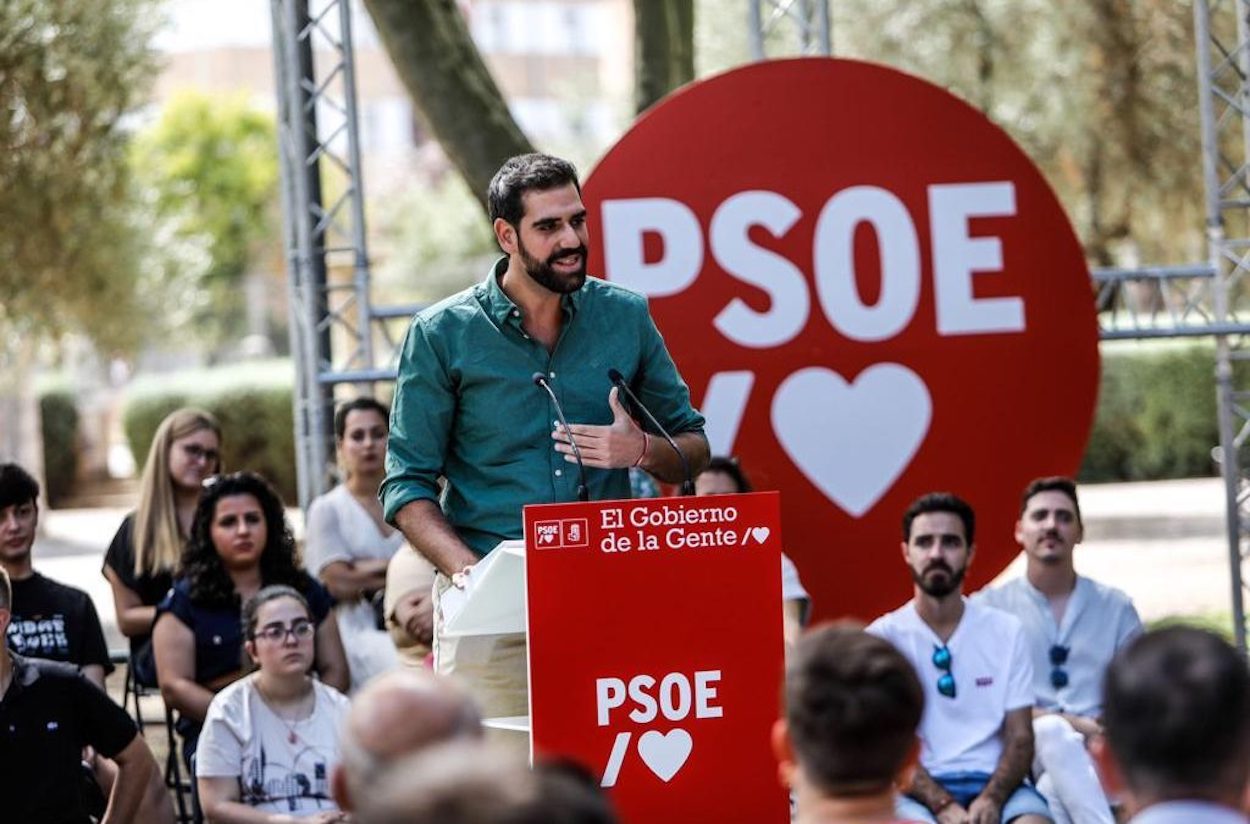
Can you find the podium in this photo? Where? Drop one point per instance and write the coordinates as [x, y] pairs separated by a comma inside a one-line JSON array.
[[655, 659]]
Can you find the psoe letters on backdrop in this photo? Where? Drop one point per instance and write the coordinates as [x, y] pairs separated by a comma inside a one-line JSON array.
[[956, 254], [675, 696]]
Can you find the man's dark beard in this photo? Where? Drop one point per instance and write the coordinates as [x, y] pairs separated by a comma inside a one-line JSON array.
[[939, 589], [549, 278]]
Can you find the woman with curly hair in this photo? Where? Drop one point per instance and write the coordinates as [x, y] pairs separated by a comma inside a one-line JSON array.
[[239, 544], [140, 562]]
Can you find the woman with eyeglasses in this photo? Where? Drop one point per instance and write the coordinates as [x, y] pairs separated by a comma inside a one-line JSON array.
[[140, 562], [349, 546], [239, 544], [271, 739]]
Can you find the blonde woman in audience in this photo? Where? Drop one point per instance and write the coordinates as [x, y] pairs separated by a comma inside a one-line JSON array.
[[349, 545], [140, 562], [271, 739]]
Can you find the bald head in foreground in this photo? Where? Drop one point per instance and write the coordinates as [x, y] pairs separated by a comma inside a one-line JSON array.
[[396, 715], [469, 782]]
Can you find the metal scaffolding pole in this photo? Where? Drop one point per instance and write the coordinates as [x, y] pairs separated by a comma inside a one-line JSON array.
[[789, 27], [1220, 31], [327, 259]]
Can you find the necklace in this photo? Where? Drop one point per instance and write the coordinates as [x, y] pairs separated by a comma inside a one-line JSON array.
[[292, 736]]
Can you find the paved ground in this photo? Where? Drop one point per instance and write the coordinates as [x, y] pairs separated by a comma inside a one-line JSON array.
[[1162, 542]]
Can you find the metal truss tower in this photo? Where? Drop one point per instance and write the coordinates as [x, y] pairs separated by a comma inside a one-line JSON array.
[[337, 335], [1222, 34], [791, 27], [324, 226]]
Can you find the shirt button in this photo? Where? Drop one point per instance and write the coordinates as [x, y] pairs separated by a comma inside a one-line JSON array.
[[516, 313], [551, 375], [559, 472]]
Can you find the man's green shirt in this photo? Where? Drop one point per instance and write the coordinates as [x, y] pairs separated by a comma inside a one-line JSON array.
[[466, 407]]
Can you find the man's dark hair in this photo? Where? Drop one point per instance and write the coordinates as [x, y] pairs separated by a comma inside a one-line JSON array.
[[525, 173], [941, 502], [853, 703], [730, 467], [1053, 483], [16, 486], [1176, 705], [356, 404]]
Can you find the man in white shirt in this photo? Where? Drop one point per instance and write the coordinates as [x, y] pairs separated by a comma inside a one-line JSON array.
[[1177, 719], [1074, 626], [976, 733]]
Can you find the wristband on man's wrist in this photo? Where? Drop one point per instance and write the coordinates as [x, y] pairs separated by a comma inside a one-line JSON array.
[[646, 441]]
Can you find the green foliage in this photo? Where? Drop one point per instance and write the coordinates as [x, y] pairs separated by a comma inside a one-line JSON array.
[[59, 416], [1156, 415], [252, 401], [69, 73], [439, 243], [1096, 93], [210, 171]]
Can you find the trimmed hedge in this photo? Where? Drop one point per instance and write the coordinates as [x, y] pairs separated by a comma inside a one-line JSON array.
[[253, 403], [1156, 413], [59, 419]]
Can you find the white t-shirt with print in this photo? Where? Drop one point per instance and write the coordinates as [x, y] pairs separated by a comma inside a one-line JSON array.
[[243, 738], [993, 676]]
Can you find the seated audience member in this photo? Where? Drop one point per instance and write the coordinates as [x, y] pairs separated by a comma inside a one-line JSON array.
[[474, 783], [724, 476], [140, 562], [49, 619], [271, 739], [394, 715], [1073, 627], [977, 732], [239, 544], [49, 713], [852, 706], [348, 545], [1176, 715], [409, 607]]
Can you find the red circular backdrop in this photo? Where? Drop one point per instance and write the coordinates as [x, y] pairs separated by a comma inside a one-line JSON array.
[[887, 288]]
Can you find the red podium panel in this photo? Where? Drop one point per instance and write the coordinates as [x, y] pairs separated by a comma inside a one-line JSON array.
[[655, 650]]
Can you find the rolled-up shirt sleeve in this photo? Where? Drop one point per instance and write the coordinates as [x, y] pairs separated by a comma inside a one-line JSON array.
[[660, 386], [421, 420]]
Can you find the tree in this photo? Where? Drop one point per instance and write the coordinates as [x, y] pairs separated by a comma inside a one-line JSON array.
[[69, 72], [663, 49], [434, 54], [209, 168], [1101, 95]]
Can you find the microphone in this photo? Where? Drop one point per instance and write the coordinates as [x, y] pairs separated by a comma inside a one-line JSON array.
[[618, 380], [583, 493]]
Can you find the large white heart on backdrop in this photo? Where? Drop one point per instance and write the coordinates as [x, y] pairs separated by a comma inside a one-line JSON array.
[[665, 754], [852, 440]]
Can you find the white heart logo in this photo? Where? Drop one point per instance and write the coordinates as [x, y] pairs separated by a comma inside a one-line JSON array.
[[852, 440], [665, 754], [760, 534]]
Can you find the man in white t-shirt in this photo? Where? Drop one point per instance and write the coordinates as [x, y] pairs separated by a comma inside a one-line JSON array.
[[1074, 627], [976, 733]]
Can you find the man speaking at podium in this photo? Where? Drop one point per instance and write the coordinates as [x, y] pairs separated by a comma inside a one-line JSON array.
[[475, 404]]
